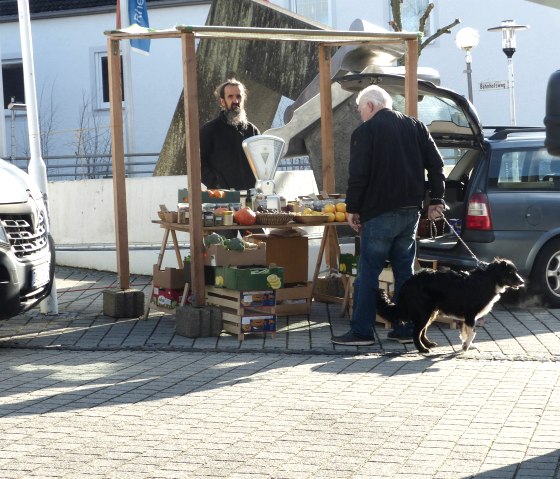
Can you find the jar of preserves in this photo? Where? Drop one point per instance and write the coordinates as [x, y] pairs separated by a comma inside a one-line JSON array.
[[228, 217]]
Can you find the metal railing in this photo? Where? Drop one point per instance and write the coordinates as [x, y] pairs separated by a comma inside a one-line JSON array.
[[85, 167]]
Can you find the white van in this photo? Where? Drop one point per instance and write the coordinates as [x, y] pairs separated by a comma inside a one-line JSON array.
[[26, 247]]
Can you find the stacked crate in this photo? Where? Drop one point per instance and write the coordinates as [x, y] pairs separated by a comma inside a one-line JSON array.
[[244, 312]]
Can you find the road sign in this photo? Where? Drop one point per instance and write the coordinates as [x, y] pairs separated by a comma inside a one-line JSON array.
[[493, 85]]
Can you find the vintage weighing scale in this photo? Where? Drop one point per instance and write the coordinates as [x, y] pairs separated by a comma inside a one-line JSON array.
[[264, 152]]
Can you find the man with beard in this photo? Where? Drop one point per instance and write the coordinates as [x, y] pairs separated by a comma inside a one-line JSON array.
[[223, 161]]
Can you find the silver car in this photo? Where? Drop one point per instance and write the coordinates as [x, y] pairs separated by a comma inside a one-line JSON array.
[[502, 188]]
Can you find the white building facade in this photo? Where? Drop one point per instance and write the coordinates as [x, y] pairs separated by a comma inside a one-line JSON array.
[[69, 50]]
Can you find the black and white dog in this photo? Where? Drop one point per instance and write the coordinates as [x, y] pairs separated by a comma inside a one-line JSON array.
[[463, 295]]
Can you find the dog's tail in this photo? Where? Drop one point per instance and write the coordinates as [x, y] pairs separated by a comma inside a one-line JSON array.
[[385, 307]]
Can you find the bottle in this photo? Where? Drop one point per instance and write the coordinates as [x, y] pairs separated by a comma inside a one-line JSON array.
[[249, 200]]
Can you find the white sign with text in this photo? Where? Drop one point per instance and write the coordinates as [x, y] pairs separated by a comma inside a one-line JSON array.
[[493, 85]]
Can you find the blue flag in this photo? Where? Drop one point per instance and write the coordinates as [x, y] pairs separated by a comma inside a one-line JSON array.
[[138, 14]]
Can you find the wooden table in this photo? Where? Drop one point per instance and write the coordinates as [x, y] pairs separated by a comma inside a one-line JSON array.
[[329, 238]]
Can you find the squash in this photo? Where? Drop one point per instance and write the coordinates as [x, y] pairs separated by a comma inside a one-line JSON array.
[[245, 216]]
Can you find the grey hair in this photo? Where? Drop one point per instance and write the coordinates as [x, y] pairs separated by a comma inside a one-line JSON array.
[[376, 95]]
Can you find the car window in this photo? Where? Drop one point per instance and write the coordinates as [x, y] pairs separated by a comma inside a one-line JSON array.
[[432, 110], [524, 169], [458, 162]]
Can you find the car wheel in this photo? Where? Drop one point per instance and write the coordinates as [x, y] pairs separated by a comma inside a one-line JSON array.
[[545, 278]]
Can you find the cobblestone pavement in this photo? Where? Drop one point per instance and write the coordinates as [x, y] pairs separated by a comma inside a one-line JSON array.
[[508, 332], [84, 395]]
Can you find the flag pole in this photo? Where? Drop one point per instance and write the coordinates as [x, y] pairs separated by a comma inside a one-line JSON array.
[[3, 147], [36, 168], [127, 82]]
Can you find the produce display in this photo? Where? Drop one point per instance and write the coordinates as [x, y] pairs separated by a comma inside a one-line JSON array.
[[228, 208], [230, 244]]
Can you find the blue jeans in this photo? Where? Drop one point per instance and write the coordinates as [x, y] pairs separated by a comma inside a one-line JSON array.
[[390, 236]]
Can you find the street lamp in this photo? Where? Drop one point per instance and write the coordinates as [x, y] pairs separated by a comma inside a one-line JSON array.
[[13, 107], [467, 39], [509, 29]]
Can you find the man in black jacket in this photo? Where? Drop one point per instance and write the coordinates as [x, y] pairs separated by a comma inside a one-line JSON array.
[[389, 154], [223, 161]]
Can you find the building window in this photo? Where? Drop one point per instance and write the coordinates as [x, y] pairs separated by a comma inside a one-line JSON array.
[[102, 79], [319, 10], [12, 79], [411, 11]]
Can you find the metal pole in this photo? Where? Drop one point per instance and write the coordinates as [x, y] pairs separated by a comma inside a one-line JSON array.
[[468, 59], [36, 168], [511, 87], [12, 136], [3, 146]]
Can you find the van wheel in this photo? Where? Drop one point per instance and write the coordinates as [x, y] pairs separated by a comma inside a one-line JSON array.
[[545, 278]]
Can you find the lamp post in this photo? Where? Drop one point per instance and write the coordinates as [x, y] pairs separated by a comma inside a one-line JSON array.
[[467, 39], [509, 29], [13, 107]]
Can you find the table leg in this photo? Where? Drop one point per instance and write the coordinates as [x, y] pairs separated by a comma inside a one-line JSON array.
[[159, 262], [319, 260], [177, 250]]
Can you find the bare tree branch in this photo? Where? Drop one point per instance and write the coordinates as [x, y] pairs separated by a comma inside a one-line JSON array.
[[438, 33], [396, 22], [424, 17], [91, 144], [47, 118]]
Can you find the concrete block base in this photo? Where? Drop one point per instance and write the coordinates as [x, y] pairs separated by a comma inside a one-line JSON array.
[[198, 322], [123, 303]]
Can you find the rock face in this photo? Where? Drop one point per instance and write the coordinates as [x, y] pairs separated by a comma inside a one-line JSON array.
[[273, 69], [269, 69]]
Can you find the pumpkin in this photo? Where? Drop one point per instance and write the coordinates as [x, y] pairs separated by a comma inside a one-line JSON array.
[[245, 216]]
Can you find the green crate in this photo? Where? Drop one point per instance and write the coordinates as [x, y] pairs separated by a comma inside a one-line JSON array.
[[246, 279]]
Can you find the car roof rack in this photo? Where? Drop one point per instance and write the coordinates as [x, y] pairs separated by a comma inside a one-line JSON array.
[[502, 132]]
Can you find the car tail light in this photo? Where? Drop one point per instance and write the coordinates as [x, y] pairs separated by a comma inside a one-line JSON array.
[[478, 213]]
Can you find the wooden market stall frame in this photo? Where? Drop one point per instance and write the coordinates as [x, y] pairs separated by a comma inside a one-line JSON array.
[[325, 39]]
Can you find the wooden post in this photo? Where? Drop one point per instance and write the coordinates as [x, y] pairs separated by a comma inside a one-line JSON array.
[[411, 77], [117, 153], [327, 143], [327, 120], [192, 139]]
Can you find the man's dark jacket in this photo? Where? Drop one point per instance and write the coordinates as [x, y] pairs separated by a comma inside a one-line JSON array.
[[223, 161], [388, 156]]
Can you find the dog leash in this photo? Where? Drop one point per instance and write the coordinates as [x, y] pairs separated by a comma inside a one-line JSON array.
[[478, 262]]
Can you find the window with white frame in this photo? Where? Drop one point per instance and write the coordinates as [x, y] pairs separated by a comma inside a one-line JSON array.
[[411, 11], [12, 80], [319, 10], [101, 76]]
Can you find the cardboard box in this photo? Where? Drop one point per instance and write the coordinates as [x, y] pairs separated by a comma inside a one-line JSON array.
[[231, 196], [258, 324], [242, 325], [217, 255], [169, 278], [289, 252], [167, 298], [247, 278]]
